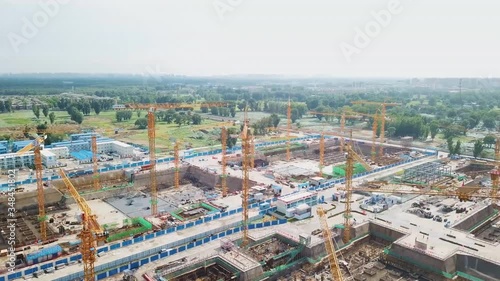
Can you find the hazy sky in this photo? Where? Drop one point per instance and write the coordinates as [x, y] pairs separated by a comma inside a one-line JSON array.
[[445, 38]]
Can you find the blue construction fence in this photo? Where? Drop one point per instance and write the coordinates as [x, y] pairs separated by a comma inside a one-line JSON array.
[[125, 243], [152, 255]]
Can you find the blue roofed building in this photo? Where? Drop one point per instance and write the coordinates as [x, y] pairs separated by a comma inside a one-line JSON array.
[[44, 255]]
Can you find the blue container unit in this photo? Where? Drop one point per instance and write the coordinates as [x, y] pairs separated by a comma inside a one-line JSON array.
[[264, 206], [44, 255]]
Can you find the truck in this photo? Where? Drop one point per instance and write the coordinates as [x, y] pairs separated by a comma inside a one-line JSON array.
[[146, 167]]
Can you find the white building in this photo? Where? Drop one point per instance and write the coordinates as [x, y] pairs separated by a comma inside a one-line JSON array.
[[123, 149], [60, 152], [293, 200], [118, 147], [12, 160], [49, 159]]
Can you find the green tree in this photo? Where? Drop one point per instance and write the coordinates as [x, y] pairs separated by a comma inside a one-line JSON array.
[[97, 107], [138, 112], [231, 139], [489, 140], [391, 131], [232, 111], [45, 110], [36, 110], [457, 150], [214, 110], [52, 117], [77, 117], [2, 106], [449, 142], [433, 128], [478, 148], [8, 105], [275, 120], [86, 108], [295, 115], [196, 119], [489, 122], [141, 123], [204, 109]]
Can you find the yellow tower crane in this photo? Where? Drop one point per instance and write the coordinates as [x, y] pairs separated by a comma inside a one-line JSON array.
[[152, 136], [353, 115], [321, 154], [330, 249], [351, 158], [36, 146], [289, 127], [176, 165], [152, 160], [91, 232], [95, 176], [223, 179], [223, 137], [383, 107], [245, 147], [495, 173]]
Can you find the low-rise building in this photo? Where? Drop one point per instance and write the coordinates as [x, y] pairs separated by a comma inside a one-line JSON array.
[[295, 199], [60, 152], [49, 159], [13, 160]]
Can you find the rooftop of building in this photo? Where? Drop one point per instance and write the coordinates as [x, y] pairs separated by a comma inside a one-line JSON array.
[[296, 196]]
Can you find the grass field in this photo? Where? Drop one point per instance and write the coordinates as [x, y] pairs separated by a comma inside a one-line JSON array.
[[106, 124]]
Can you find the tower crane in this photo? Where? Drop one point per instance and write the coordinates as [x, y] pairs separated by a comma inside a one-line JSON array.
[[353, 115], [321, 153], [383, 108], [223, 179], [95, 176], [351, 158], [330, 249], [495, 173], [152, 135], [289, 127], [36, 146], [152, 160], [91, 232], [176, 165], [245, 147], [223, 138]]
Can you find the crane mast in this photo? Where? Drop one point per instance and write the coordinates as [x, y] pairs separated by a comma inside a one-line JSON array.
[[152, 161], [374, 138], [95, 176], [40, 194], [321, 154], [176, 165], [36, 146], [495, 174], [330, 249], [245, 145], [351, 158], [289, 128], [223, 180]]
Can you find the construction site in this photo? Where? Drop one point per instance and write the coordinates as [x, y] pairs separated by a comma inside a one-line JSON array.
[[315, 206]]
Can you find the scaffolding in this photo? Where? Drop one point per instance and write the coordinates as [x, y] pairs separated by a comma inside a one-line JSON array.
[[428, 173]]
